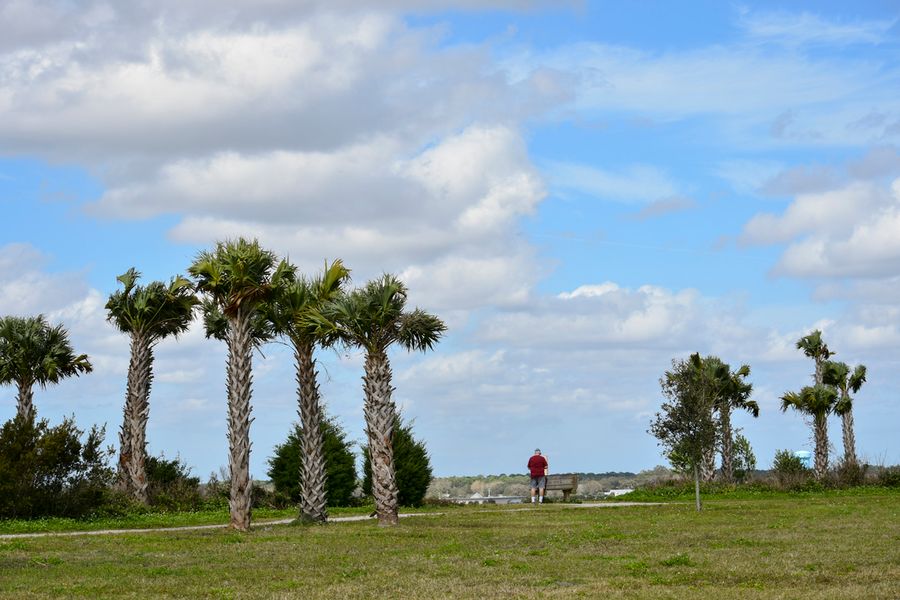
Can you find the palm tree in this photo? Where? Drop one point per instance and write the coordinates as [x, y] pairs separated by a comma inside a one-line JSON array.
[[734, 395], [237, 278], [838, 375], [817, 401], [148, 314], [727, 391], [373, 318], [814, 347], [288, 312], [34, 352]]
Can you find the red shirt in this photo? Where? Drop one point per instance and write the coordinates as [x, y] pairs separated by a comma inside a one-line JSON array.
[[537, 464]]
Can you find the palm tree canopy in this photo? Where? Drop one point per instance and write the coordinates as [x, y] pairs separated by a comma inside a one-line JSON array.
[[157, 309], [216, 324], [33, 351], [727, 387], [238, 273], [838, 374], [818, 400], [295, 299], [373, 317], [813, 346]]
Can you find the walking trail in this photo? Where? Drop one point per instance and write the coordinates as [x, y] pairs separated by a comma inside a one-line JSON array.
[[259, 524]]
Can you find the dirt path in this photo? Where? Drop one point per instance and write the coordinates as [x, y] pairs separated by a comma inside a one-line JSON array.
[[259, 524]]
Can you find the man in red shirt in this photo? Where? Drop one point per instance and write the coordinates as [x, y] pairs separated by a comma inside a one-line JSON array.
[[537, 466]]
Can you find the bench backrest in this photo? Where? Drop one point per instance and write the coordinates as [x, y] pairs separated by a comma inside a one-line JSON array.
[[562, 482]]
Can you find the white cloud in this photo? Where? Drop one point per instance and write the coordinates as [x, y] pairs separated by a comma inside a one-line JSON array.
[[827, 213], [849, 232], [635, 183], [27, 289], [794, 29]]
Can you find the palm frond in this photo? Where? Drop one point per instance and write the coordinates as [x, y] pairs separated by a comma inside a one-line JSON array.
[[419, 330]]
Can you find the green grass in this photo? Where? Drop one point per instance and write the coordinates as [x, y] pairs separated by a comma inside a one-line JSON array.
[[155, 519], [825, 545]]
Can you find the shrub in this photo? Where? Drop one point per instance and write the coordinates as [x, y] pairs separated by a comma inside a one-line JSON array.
[[412, 467], [170, 485], [50, 471], [850, 474], [340, 466], [789, 469], [889, 476]]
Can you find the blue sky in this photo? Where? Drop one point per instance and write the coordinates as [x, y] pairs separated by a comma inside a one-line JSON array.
[[584, 191]]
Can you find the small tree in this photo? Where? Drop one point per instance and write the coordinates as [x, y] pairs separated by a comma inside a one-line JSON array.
[[685, 425], [411, 463], [51, 471], [744, 458], [340, 464]]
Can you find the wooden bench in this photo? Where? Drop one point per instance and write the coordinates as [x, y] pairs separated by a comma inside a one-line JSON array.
[[568, 484]]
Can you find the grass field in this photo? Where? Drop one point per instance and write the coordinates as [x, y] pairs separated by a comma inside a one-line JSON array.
[[823, 545]]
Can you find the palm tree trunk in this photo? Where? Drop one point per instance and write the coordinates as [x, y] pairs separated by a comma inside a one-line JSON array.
[[24, 400], [133, 434], [708, 464], [849, 438], [313, 502], [820, 424], [380, 418], [240, 377], [727, 444]]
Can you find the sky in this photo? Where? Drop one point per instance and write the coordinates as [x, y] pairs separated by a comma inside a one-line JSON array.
[[582, 191]]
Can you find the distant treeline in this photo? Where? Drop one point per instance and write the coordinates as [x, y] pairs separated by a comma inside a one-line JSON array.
[[589, 484]]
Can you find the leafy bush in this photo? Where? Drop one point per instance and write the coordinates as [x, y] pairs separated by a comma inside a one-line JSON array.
[[340, 465], [412, 467], [789, 470], [49, 471], [889, 476], [850, 474], [170, 485]]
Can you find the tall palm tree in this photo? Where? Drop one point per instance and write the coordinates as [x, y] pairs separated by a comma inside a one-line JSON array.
[[374, 318], [34, 352], [818, 402], [734, 395], [288, 310], [237, 278], [148, 314], [838, 374], [815, 347]]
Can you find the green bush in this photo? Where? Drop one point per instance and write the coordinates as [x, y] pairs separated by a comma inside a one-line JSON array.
[[412, 467], [850, 474], [340, 466], [789, 470], [50, 471], [170, 485], [889, 476]]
